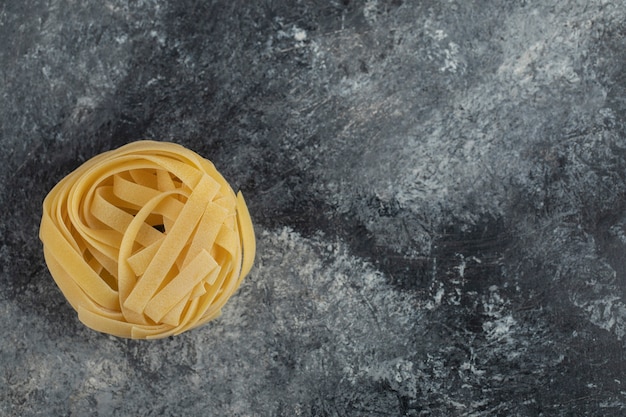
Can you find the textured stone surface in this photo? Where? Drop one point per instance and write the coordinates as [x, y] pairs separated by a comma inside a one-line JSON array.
[[439, 191]]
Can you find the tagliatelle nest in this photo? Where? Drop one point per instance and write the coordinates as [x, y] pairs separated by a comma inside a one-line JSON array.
[[146, 241]]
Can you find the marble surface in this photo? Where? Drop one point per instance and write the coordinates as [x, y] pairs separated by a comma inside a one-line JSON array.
[[438, 189]]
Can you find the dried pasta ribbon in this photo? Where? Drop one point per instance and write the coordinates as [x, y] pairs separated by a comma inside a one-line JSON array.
[[147, 241]]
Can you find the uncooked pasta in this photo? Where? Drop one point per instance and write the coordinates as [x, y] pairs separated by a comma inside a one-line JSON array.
[[147, 241]]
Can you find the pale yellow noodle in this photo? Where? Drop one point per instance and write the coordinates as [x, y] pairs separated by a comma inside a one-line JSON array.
[[147, 241]]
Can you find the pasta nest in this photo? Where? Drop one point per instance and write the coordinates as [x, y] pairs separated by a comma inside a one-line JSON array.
[[147, 241]]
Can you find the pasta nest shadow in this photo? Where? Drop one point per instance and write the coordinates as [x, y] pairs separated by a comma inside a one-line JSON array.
[[147, 241]]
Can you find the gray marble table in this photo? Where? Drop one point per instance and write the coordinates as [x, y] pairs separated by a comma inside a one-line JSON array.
[[438, 190]]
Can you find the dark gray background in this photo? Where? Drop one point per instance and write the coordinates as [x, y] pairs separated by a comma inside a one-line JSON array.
[[438, 189]]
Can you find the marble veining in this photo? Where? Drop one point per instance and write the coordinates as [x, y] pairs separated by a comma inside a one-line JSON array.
[[438, 190]]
